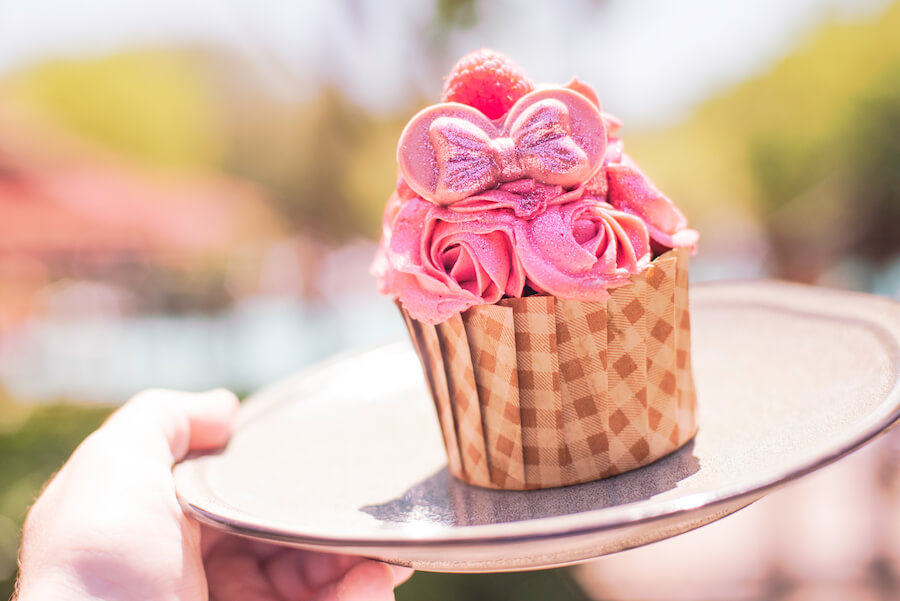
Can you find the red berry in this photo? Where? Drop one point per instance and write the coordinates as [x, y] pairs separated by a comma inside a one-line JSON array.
[[487, 81]]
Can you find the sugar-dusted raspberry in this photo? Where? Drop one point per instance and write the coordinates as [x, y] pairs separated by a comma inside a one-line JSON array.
[[488, 81]]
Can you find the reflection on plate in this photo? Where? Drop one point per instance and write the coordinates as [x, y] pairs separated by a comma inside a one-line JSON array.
[[347, 456]]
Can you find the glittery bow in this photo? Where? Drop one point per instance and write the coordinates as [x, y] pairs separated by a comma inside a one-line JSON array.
[[451, 151]]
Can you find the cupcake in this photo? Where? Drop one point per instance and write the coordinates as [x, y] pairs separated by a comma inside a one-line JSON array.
[[543, 280]]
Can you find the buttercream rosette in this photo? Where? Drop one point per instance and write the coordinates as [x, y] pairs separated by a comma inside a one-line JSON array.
[[543, 279]]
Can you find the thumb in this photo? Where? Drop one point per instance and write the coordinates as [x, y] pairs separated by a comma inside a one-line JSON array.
[[168, 424]]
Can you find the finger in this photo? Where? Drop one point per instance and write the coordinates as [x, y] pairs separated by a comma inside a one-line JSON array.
[[285, 577], [299, 574], [366, 581], [172, 423], [210, 538], [234, 574], [401, 574], [211, 417]]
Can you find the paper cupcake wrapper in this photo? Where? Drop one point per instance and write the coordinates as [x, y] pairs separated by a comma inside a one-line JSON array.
[[539, 392]]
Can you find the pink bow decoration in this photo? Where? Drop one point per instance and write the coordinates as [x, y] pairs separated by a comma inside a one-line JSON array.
[[451, 151]]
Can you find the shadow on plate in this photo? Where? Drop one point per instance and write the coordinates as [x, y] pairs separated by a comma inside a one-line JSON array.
[[442, 499]]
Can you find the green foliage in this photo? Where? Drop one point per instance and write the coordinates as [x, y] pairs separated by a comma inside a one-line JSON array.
[[836, 193], [872, 143], [810, 147], [150, 105], [457, 13], [29, 455], [555, 584], [328, 164]]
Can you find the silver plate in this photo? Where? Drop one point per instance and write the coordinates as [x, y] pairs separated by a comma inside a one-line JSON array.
[[347, 455]]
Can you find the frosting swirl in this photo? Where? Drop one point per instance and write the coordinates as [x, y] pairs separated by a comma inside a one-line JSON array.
[[439, 262], [633, 192], [580, 249]]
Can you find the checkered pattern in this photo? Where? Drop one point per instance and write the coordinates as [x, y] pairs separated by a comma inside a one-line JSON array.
[[466, 409], [581, 335], [492, 342], [540, 400], [627, 349], [568, 391], [662, 402], [687, 395], [429, 349]]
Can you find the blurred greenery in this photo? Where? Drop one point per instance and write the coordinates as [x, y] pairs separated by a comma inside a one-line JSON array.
[[787, 147], [152, 105], [556, 584], [34, 442], [875, 138], [457, 13], [329, 165], [809, 148]]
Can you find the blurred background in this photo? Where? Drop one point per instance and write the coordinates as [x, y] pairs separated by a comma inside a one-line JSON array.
[[190, 197]]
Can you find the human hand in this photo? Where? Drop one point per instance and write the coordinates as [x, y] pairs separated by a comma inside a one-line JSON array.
[[109, 526]]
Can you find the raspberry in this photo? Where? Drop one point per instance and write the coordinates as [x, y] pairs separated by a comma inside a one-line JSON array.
[[487, 81]]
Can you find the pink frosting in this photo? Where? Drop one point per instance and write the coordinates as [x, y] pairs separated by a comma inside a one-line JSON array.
[[526, 197], [381, 266], [439, 262], [623, 184], [633, 192], [476, 218], [580, 249]]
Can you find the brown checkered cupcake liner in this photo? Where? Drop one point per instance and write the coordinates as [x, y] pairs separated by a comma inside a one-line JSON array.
[[539, 392]]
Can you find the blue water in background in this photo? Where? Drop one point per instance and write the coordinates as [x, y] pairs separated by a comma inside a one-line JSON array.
[[255, 343], [108, 359]]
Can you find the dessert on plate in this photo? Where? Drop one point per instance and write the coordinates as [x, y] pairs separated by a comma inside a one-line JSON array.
[[544, 282]]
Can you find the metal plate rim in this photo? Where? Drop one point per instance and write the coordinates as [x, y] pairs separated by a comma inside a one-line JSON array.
[[554, 527]]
